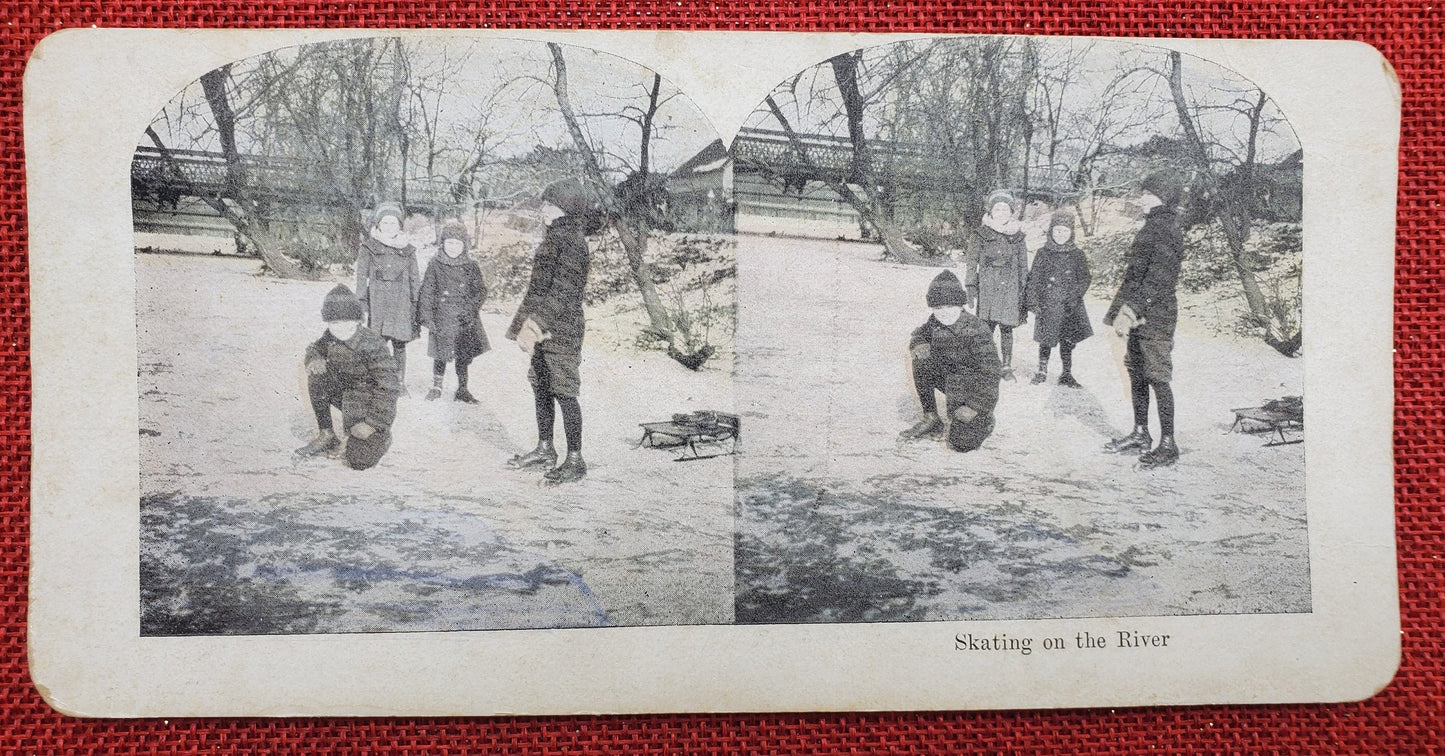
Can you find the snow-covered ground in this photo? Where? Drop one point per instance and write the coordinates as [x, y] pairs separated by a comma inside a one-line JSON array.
[[238, 535], [838, 521], [828, 516]]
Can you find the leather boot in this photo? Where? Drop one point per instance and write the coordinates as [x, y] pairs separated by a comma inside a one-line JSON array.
[[542, 456], [929, 425], [1067, 379], [464, 395], [325, 442], [1167, 453], [571, 469], [1138, 441]]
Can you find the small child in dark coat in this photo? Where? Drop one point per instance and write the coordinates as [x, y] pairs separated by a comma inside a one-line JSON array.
[[954, 353], [452, 293], [351, 368], [1055, 295]]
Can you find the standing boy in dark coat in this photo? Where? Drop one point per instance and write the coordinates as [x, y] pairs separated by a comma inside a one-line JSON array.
[[452, 293], [350, 368], [549, 326], [954, 353], [1145, 311], [1055, 295]]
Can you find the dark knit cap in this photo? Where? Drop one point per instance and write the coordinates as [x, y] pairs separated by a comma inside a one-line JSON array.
[[1061, 218], [341, 304], [455, 230], [946, 291], [1001, 195], [387, 209], [571, 196], [1165, 185]]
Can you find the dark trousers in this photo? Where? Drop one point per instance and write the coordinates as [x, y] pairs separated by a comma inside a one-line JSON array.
[[929, 378], [327, 392]]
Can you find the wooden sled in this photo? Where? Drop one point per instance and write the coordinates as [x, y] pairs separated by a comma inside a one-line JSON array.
[[689, 431], [1272, 421]]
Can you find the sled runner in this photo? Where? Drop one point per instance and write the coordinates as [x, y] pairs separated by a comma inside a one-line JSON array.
[[1273, 417], [691, 429]]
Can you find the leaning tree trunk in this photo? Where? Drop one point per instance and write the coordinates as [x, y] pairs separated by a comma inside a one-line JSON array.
[[632, 232], [267, 246], [894, 245], [1234, 220]]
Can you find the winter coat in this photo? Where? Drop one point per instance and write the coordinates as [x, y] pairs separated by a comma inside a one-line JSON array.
[[362, 366], [554, 293], [1151, 275], [387, 283], [965, 354], [452, 293], [998, 268], [1055, 294]]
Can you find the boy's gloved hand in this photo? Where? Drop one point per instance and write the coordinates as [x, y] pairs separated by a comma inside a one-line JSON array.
[[922, 351], [316, 367], [965, 414], [530, 335], [1126, 321], [362, 430]]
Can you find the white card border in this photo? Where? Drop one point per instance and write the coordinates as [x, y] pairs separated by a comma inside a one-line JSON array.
[[89, 93]]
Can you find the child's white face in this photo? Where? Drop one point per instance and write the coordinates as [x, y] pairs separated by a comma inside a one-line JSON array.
[[549, 212], [342, 329], [453, 247], [1148, 201], [1061, 234], [947, 315], [388, 225], [1001, 212]]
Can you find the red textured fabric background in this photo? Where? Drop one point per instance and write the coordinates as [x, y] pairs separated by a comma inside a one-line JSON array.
[[1408, 717]]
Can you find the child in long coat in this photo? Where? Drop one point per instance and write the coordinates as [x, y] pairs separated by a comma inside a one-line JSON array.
[[1145, 311], [953, 352], [350, 367], [449, 305], [549, 326], [388, 282], [998, 268], [1055, 295]]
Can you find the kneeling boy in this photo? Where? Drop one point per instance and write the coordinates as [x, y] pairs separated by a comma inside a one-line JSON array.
[[350, 368], [954, 353]]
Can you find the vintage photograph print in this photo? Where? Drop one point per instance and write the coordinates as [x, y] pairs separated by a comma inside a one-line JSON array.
[[530, 372], [386, 289], [1020, 337]]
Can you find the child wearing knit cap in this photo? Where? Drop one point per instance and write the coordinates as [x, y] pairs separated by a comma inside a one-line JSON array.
[[449, 305], [388, 282], [351, 369], [953, 352], [1055, 295], [998, 267], [1145, 312], [549, 326]]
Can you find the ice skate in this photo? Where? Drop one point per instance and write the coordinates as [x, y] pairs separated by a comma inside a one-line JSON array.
[[1167, 453], [930, 425], [324, 443], [1139, 440], [542, 456], [572, 469]]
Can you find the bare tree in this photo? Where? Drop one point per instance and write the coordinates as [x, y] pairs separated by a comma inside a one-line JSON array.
[[1231, 209], [631, 226]]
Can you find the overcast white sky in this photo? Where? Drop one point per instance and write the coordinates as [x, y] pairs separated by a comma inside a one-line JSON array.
[[508, 81], [1101, 61]]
